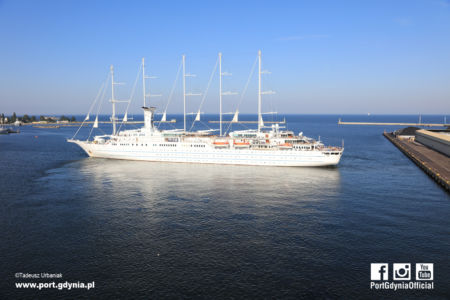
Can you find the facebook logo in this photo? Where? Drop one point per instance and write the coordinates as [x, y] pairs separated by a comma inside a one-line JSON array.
[[379, 272]]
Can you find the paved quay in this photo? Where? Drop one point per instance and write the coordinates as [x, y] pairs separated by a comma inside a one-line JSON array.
[[435, 164]]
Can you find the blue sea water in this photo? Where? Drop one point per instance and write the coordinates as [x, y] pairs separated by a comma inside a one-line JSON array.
[[165, 230]]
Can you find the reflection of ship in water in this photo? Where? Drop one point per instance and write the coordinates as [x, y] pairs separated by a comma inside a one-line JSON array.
[[154, 181]]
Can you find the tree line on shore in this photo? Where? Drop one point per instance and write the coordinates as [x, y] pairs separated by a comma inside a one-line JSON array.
[[30, 119]]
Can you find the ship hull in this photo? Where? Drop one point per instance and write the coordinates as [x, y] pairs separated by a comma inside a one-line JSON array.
[[186, 154]]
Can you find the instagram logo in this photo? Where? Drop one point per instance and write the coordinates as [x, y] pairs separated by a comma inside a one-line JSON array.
[[402, 271]]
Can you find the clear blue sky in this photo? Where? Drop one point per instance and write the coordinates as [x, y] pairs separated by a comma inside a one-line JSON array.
[[325, 56]]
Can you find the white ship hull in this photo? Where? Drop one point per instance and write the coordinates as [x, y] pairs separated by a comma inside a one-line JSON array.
[[184, 153], [264, 146]]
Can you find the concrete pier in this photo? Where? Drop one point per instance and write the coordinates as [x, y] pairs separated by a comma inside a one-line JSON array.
[[435, 164], [394, 124], [249, 122]]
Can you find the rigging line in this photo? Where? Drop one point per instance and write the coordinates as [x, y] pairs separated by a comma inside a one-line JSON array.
[[246, 86], [227, 130], [93, 104], [132, 94], [134, 126], [173, 89], [242, 125], [102, 131], [231, 125], [206, 125], [99, 106], [206, 91], [170, 125]]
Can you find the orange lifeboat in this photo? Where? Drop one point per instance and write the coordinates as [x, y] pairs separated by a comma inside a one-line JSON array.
[[241, 144], [285, 146], [221, 144]]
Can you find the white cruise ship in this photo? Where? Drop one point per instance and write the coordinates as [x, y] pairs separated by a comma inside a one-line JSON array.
[[264, 146]]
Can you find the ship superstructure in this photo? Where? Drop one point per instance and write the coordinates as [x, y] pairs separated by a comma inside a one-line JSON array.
[[267, 145]]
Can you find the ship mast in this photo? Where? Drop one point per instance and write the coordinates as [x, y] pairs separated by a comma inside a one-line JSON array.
[[143, 79], [143, 84], [184, 91], [113, 101], [259, 91], [220, 92]]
